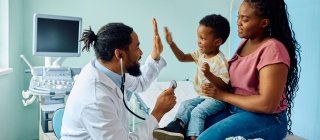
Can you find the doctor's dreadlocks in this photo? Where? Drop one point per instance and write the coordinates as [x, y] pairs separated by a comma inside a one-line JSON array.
[[110, 37]]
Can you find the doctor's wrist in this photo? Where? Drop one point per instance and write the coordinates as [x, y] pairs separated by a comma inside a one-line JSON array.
[[157, 115], [155, 56]]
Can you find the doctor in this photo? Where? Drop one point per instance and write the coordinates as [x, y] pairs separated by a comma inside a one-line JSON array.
[[95, 108]]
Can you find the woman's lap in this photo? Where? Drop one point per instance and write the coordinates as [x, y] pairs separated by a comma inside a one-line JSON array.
[[243, 123]]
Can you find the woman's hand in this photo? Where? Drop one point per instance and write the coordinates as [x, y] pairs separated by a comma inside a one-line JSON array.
[[157, 44], [210, 90]]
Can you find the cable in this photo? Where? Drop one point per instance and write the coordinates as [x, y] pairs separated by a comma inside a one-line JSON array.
[[173, 85], [124, 102]]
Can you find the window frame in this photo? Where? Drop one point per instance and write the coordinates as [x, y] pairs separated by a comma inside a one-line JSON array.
[[4, 38]]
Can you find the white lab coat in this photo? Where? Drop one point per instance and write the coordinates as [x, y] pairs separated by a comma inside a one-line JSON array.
[[95, 108]]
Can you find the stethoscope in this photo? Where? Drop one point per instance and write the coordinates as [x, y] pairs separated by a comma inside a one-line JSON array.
[[173, 84]]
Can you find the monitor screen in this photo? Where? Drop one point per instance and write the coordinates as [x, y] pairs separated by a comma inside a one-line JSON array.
[[56, 36]]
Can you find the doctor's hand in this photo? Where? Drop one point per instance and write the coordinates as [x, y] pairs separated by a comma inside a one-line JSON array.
[[157, 44], [165, 102]]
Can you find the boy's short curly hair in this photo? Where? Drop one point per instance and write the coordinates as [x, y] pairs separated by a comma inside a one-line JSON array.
[[219, 24]]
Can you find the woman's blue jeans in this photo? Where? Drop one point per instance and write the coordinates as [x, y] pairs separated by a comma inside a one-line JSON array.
[[238, 122]]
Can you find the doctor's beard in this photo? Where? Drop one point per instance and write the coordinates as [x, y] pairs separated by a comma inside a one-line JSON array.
[[134, 70]]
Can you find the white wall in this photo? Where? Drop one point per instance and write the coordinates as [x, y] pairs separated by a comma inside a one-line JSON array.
[[180, 16]]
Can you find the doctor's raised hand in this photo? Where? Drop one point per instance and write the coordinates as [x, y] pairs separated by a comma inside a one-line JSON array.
[[157, 44]]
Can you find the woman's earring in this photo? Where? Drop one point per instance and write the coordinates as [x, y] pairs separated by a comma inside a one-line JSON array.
[[269, 30]]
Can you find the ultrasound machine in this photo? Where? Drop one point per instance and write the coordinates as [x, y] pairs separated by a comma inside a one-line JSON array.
[[55, 38]]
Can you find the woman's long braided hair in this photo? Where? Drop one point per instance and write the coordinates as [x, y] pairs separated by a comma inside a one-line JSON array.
[[281, 28]]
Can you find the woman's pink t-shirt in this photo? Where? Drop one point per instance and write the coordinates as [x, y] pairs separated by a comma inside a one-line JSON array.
[[244, 71]]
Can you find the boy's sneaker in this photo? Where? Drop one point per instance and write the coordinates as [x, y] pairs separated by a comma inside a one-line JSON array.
[[173, 131]]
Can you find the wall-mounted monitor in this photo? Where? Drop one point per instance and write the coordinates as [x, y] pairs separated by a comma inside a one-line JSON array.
[[56, 36]]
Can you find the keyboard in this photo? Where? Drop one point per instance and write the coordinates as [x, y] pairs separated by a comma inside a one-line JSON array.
[[53, 81]]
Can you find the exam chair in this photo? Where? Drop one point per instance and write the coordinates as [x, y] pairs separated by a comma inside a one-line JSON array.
[[57, 122]]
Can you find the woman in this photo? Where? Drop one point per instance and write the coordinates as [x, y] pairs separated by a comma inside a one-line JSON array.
[[264, 75]]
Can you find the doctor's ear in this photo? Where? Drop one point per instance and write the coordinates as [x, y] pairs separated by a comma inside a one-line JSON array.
[[118, 53]]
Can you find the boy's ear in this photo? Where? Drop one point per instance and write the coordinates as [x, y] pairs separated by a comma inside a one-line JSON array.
[[218, 41]]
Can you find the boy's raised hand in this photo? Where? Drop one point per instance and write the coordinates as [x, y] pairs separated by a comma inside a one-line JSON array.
[[157, 44], [168, 35]]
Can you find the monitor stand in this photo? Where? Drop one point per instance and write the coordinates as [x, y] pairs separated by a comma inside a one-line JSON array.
[[53, 61]]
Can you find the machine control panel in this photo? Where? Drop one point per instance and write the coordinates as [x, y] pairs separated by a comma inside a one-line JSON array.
[[53, 81]]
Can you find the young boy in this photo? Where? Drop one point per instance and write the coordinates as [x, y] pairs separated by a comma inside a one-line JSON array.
[[213, 31]]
